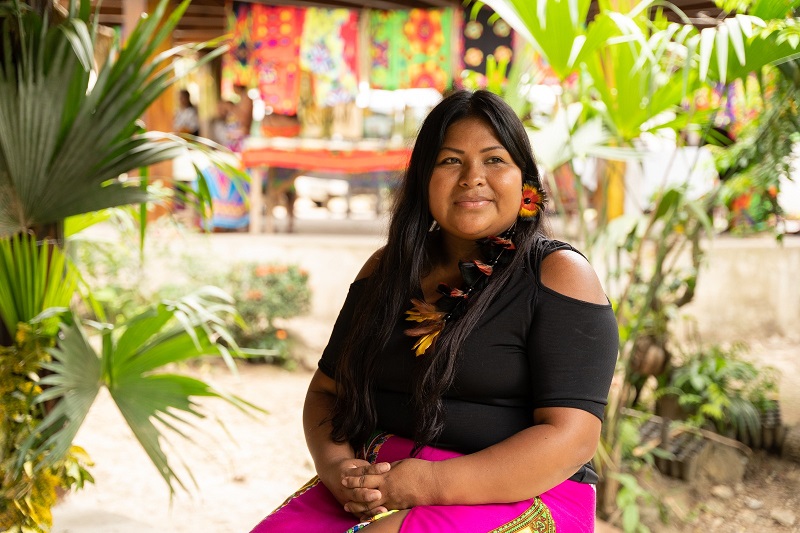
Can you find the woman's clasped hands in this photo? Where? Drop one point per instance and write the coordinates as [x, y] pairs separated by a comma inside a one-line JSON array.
[[371, 489]]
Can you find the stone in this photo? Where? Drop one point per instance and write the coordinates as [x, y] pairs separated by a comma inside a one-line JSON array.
[[783, 516], [748, 517], [752, 503], [718, 464], [722, 492], [717, 508]]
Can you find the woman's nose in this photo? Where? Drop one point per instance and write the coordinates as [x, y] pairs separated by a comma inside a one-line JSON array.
[[472, 176]]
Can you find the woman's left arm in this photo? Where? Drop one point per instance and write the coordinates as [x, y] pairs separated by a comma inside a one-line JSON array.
[[562, 439], [522, 466]]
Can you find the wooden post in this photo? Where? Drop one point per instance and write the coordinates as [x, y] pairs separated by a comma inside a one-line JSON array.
[[131, 13], [257, 176], [159, 115]]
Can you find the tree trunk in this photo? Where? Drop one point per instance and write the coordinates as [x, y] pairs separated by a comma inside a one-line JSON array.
[[5, 336]]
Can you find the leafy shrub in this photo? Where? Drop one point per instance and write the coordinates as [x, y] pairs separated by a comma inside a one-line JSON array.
[[26, 497], [716, 387], [264, 293]]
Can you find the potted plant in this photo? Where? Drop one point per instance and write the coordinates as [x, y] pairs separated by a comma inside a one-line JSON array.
[[716, 389]]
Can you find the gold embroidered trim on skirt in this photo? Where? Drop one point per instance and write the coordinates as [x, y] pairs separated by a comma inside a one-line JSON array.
[[535, 519]]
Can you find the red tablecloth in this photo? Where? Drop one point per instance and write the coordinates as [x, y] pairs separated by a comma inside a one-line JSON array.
[[351, 161]]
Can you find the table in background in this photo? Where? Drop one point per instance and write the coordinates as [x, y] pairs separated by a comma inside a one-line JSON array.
[[309, 156]]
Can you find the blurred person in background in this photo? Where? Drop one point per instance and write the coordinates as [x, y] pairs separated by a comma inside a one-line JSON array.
[[186, 119]]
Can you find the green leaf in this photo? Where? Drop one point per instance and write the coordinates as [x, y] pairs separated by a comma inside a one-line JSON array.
[[669, 201], [75, 380], [131, 366], [551, 26], [139, 330], [33, 278], [64, 145], [707, 39]]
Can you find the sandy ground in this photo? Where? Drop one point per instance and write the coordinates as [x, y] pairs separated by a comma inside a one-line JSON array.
[[246, 468], [240, 477]]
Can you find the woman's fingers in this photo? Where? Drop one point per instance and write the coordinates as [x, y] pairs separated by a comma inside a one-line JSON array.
[[366, 496], [363, 481], [363, 509], [360, 477], [373, 512]]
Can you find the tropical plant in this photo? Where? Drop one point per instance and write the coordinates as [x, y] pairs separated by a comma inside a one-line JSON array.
[[70, 142], [34, 278], [264, 294], [715, 387], [133, 362], [753, 167], [68, 127], [26, 497], [636, 72]]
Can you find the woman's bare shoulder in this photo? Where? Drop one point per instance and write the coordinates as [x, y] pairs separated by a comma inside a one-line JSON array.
[[569, 273], [371, 264]]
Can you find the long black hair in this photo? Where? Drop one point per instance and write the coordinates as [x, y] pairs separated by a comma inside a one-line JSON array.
[[402, 265]]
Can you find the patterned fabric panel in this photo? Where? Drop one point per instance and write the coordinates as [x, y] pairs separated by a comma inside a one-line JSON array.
[[276, 55], [536, 519], [411, 48], [328, 49], [236, 69]]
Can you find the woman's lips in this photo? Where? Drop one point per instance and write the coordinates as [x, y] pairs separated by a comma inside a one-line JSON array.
[[472, 202]]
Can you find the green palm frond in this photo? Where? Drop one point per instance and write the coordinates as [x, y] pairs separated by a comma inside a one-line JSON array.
[[633, 65], [557, 28], [133, 365], [743, 45], [34, 277], [64, 142]]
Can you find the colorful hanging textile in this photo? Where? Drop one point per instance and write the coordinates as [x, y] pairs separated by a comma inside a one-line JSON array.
[[411, 48], [485, 34], [328, 49], [386, 40], [236, 68], [427, 59], [276, 33]]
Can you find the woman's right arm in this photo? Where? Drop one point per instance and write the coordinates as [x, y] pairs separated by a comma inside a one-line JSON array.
[[333, 460]]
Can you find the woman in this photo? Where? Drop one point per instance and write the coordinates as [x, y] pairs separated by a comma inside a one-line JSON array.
[[483, 350]]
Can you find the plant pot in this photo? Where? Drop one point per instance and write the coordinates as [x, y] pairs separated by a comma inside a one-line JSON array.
[[668, 406]]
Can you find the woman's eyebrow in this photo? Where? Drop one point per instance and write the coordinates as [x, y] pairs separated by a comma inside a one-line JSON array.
[[487, 149]]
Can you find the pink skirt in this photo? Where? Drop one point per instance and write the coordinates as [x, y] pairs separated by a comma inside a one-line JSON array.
[[566, 508]]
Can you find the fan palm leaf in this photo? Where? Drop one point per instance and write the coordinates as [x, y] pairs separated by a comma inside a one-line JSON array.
[[556, 28], [132, 364], [64, 140]]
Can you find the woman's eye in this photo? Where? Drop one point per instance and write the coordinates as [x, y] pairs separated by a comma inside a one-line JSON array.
[[494, 160], [449, 161]]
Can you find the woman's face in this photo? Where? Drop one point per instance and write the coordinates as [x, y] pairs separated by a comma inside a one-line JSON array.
[[475, 189]]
